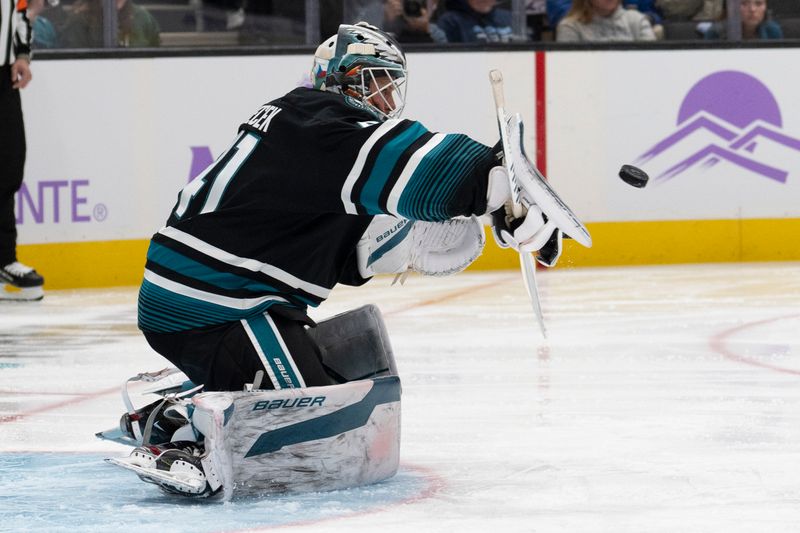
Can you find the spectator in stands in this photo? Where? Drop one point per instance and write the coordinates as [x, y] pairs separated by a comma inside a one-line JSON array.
[[469, 21], [84, 27], [755, 23], [603, 20], [387, 14], [44, 33], [649, 9], [411, 20], [699, 10], [535, 19], [372, 11], [556, 10]]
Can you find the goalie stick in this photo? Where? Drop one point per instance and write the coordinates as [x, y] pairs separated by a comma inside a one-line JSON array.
[[529, 180], [525, 259]]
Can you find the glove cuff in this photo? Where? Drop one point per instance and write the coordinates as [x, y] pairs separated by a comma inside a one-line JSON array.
[[498, 189]]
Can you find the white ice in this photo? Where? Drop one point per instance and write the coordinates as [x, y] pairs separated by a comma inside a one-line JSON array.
[[665, 399]]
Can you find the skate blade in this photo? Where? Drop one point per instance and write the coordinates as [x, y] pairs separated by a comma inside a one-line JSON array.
[[162, 477], [16, 294]]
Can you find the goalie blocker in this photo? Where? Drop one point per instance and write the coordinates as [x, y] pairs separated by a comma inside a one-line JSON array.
[[257, 442]]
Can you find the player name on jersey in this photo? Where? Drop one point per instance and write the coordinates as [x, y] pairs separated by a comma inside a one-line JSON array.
[[261, 119]]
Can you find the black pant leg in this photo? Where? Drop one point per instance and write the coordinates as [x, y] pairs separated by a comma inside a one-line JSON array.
[[224, 358], [12, 163], [304, 350]]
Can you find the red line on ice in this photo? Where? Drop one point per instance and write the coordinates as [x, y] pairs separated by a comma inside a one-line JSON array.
[[36, 393], [447, 296], [58, 405], [718, 345], [85, 397]]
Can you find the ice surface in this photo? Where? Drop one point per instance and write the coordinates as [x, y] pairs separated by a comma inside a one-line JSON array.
[[69, 492], [665, 399]]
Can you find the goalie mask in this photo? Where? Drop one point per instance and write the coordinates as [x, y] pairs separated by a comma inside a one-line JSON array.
[[363, 62]]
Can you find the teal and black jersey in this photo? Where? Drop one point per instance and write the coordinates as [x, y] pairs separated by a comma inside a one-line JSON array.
[[276, 219]]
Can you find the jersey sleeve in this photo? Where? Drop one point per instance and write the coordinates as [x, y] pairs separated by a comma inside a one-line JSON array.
[[405, 170], [23, 33]]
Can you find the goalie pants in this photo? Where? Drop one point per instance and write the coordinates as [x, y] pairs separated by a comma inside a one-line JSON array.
[[226, 357], [12, 162]]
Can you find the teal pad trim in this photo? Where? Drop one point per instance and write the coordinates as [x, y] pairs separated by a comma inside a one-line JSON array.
[[384, 390], [274, 354]]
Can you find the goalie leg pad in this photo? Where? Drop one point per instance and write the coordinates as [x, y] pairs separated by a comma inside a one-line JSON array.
[[300, 440], [355, 344]]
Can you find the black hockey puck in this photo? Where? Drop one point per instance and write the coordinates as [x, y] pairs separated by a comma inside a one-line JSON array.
[[633, 176]]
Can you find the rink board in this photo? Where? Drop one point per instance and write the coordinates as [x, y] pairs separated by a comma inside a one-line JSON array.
[[724, 178], [120, 263]]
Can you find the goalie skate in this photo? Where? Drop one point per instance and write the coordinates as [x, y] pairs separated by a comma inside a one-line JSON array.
[[169, 383], [176, 468]]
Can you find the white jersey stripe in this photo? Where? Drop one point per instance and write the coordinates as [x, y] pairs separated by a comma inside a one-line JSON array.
[[7, 25], [286, 351], [244, 147], [243, 262], [242, 304], [358, 166], [408, 171], [267, 367]]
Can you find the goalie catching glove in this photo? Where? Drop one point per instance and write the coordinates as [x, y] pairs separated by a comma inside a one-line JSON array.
[[527, 214], [520, 228], [393, 245]]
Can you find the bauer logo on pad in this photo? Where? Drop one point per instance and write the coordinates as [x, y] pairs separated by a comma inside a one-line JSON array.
[[730, 120], [306, 401]]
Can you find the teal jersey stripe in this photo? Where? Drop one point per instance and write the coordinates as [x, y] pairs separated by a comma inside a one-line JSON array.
[[449, 175], [303, 299], [412, 200], [164, 311], [188, 267], [444, 163], [179, 311], [267, 339], [150, 319], [407, 205], [443, 194], [384, 164], [439, 176], [158, 312]]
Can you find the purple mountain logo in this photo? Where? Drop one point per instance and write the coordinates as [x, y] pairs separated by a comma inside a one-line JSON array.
[[731, 117]]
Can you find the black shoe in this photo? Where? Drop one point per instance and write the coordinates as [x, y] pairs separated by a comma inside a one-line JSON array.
[[20, 276]]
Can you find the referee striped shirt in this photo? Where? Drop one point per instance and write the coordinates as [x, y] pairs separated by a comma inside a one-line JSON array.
[[15, 31]]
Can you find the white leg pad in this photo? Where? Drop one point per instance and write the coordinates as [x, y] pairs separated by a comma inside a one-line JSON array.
[[300, 440]]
